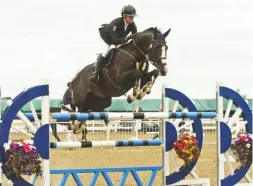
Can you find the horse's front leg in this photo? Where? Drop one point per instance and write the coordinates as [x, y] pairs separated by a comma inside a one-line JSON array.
[[150, 79], [136, 91], [136, 87]]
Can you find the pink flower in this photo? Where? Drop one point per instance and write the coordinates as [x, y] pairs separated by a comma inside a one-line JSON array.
[[251, 136]]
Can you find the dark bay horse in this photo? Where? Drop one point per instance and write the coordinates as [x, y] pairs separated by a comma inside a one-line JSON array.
[[128, 68]]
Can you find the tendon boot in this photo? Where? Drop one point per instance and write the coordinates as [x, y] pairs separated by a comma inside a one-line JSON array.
[[100, 63]]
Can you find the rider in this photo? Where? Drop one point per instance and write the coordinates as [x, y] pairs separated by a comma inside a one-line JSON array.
[[115, 33]]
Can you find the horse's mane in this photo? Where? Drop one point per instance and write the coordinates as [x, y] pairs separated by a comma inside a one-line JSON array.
[[153, 30], [150, 29]]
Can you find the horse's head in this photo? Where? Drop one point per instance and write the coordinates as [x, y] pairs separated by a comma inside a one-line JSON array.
[[158, 51], [152, 44]]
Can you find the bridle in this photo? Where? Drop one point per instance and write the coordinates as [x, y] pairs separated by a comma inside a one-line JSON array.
[[146, 57], [158, 44]]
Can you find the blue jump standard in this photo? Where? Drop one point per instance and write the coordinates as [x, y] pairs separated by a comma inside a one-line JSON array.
[[125, 115]]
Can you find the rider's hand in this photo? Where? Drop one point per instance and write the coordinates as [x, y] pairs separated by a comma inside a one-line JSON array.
[[126, 39], [129, 37]]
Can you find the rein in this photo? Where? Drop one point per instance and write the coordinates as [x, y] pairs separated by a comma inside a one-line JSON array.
[[154, 62]]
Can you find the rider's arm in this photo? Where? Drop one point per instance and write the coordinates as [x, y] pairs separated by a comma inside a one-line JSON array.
[[114, 35], [133, 28]]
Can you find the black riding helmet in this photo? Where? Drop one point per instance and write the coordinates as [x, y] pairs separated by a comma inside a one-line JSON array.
[[128, 10]]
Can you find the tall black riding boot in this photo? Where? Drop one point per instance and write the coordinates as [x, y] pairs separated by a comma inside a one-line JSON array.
[[100, 63]]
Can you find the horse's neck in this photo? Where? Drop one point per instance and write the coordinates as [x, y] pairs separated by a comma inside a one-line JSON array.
[[132, 51]]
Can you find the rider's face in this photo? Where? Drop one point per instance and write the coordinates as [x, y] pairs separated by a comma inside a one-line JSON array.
[[129, 19]]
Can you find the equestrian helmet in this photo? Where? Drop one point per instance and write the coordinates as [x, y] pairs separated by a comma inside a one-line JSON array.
[[128, 10]]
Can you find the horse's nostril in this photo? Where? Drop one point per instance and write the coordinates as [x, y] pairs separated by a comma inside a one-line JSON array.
[[163, 70]]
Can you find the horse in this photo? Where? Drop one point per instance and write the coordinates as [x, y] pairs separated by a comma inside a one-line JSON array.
[[128, 67]]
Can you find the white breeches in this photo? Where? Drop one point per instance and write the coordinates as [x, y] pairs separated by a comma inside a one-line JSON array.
[[104, 47]]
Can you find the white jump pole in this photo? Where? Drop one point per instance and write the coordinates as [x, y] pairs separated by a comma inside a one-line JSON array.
[[219, 110], [1, 124], [165, 155], [45, 112]]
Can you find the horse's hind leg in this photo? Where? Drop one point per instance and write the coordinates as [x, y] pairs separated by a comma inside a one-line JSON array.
[[84, 134], [54, 129], [80, 127]]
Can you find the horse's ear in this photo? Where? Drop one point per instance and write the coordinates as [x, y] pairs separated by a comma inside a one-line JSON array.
[[155, 30], [166, 33]]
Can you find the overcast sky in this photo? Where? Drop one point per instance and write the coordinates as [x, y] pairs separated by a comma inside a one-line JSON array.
[[210, 40]]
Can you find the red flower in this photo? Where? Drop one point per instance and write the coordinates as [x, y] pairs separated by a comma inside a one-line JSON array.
[[243, 137], [27, 147], [184, 148]]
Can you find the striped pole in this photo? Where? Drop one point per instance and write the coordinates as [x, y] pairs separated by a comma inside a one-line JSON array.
[[111, 143], [125, 115]]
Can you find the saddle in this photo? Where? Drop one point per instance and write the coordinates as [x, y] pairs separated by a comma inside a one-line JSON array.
[[109, 57]]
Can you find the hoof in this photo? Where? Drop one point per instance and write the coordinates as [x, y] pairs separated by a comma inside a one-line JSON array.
[[139, 97], [130, 99]]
